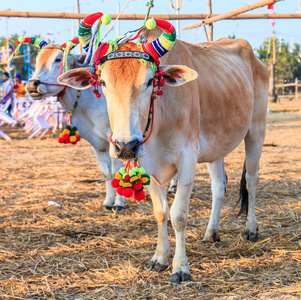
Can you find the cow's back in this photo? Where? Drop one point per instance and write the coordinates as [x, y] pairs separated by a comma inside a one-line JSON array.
[[220, 101]]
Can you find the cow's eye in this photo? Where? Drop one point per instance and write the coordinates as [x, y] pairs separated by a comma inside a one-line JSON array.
[[150, 82], [58, 59]]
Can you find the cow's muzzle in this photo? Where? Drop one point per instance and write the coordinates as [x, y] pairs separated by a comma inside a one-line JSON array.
[[34, 89], [127, 151]]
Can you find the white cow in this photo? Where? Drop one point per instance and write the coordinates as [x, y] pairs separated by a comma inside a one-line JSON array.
[[223, 103], [90, 115]]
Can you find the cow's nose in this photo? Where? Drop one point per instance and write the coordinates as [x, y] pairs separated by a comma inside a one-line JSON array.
[[32, 85], [126, 150]]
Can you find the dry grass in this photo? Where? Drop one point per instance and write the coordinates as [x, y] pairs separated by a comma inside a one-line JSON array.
[[80, 251]]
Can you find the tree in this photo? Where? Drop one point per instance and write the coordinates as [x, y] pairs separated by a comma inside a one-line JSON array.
[[288, 65]]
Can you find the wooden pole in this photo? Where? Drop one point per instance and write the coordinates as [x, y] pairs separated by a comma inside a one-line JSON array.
[[232, 13], [78, 24], [209, 9], [27, 14], [296, 88]]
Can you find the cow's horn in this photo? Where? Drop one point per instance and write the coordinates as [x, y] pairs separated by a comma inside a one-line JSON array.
[[164, 42], [85, 28], [34, 41]]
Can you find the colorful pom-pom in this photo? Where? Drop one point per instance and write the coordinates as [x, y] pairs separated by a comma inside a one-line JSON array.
[[150, 24], [142, 171], [106, 19], [138, 186], [128, 192], [120, 190], [115, 183], [21, 39], [139, 195], [127, 177]]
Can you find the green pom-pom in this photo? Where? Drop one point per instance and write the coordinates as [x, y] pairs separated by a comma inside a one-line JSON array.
[[150, 24], [21, 39], [106, 19], [136, 170], [72, 133], [74, 128], [132, 173], [68, 127], [122, 171], [142, 171]]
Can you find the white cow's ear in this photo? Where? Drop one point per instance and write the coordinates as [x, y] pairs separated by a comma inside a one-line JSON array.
[[175, 75], [76, 78]]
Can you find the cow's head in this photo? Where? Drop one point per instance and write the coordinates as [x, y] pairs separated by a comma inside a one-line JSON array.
[[43, 82], [127, 84]]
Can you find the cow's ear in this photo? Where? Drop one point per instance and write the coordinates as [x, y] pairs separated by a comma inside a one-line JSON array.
[[176, 75], [76, 78]]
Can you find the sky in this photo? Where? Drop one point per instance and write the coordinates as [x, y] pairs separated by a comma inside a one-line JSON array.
[[255, 31]]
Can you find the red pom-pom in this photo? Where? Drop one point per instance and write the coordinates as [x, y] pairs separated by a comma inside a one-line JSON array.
[[78, 138], [66, 137], [74, 143], [159, 92], [161, 82], [120, 190], [67, 142], [61, 140], [139, 195], [138, 186], [115, 183], [128, 192], [127, 177]]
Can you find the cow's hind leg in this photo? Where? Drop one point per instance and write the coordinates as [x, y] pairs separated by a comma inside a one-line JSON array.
[[218, 187], [253, 148], [159, 261]]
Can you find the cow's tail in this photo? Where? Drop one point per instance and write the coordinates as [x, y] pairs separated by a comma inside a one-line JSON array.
[[243, 193]]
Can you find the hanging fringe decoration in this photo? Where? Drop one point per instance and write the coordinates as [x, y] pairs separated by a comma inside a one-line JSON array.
[[67, 48], [131, 181], [70, 134]]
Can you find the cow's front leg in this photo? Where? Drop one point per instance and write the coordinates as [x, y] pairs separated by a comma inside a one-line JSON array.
[[119, 200], [179, 217], [105, 164], [159, 261]]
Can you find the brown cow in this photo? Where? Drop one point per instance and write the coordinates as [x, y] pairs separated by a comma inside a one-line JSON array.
[[201, 121]]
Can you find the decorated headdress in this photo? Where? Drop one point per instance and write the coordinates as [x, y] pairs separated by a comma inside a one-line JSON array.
[[151, 51]]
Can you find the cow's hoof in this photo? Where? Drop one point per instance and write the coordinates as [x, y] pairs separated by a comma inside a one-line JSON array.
[[118, 208], [250, 236], [211, 236], [107, 207], [179, 277], [156, 266]]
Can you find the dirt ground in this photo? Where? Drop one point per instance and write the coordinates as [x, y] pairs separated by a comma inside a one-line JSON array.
[[81, 251]]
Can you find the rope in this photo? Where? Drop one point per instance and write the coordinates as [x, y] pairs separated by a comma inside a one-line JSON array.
[[179, 4], [149, 5], [112, 27]]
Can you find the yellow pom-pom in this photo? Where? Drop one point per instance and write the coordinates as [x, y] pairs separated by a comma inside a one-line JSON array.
[[69, 44], [150, 24], [21, 39], [118, 176], [127, 184], [77, 133], [73, 139], [106, 19], [66, 131]]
